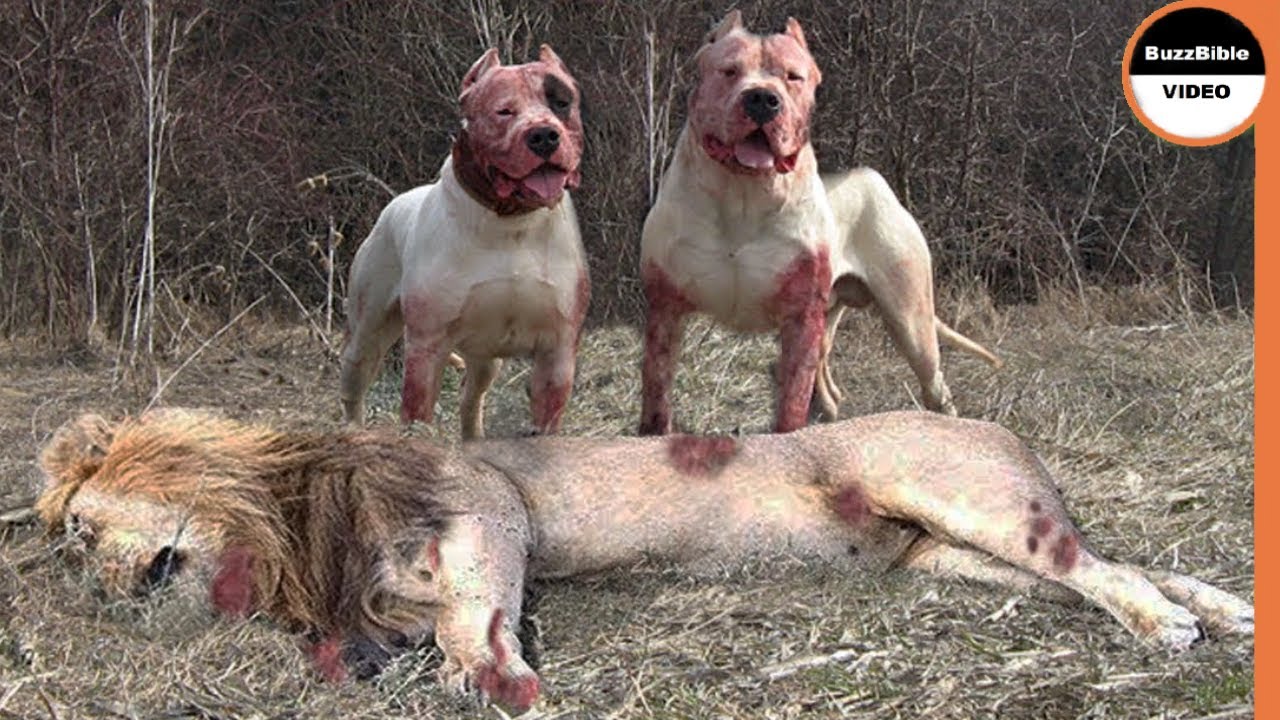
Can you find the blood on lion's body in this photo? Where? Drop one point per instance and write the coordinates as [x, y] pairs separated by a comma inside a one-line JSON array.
[[365, 539]]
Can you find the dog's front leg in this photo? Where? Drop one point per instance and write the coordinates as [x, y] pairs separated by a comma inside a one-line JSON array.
[[800, 304], [550, 385], [481, 586], [426, 352], [664, 324]]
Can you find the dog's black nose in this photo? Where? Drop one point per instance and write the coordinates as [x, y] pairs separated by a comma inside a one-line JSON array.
[[167, 563], [543, 141], [761, 105]]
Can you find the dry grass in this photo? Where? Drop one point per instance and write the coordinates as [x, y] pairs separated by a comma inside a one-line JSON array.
[[1149, 429]]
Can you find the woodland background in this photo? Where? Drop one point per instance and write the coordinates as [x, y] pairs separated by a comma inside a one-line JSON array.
[[176, 162], [182, 187]]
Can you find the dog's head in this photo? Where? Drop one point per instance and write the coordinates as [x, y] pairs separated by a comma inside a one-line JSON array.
[[750, 111], [521, 142]]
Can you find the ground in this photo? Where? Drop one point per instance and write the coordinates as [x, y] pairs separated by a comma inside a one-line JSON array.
[[1148, 427]]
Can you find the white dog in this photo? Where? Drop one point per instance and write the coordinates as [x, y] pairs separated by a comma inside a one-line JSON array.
[[745, 230], [487, 261]]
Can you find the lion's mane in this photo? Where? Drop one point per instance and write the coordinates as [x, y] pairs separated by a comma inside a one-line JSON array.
[[320, 514]]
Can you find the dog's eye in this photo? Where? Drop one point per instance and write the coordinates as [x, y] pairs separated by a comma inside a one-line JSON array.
[[793, 76], [506, 112], [560, 104], [729, 72]]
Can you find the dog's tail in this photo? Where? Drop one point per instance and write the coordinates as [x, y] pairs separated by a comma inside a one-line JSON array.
[[960, 341]]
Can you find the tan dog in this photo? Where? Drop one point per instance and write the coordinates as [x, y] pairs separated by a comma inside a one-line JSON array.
[[362, 539], [488, 260], [744, 229]]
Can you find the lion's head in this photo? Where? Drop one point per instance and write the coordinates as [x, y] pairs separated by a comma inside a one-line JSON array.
[[314, 530]]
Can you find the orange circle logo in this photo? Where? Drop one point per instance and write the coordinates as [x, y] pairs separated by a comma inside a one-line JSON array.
[[1194, 74]]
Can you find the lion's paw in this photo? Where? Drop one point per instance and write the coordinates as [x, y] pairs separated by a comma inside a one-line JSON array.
[[513, 685], [1177, 629], [1222, 612]]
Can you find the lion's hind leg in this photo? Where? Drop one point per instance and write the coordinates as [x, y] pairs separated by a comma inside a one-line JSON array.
[[939, 558], [1167, 608], [1222, 612], [994, 496]]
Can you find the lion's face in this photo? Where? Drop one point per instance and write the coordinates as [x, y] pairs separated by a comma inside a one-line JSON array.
[[121, 530], [135, 546]]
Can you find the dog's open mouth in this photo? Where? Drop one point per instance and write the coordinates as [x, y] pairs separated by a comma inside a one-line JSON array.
[[753, 151], [543, 185], [753, 154]]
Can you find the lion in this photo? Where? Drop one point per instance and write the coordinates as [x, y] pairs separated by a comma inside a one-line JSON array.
[[364, 539]]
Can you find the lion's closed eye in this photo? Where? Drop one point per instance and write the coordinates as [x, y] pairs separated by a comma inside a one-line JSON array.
[[80, 530]]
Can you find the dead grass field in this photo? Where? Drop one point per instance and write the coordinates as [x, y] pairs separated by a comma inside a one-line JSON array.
[[1149, 428]]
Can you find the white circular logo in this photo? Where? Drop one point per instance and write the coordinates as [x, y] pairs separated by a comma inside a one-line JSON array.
[[1194, 75]]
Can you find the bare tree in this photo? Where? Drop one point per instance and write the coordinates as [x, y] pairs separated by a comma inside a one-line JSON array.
[[999, 125]]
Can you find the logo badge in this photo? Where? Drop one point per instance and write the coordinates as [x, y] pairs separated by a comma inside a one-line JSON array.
[[1194, 75]]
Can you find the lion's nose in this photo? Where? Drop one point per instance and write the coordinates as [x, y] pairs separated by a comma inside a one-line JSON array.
[[761, 105], [166, 563]]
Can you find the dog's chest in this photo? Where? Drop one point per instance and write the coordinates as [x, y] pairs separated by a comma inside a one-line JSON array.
[[735, 278], [515, 301], [729, 251]]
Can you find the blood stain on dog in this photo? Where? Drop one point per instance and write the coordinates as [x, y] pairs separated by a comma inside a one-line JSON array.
[[417, 401], [799, 306], [1035, 506], [804, 286], [1033, 544], [851, 505], [666, 306], [547, 404], [701, 454], [665, 301]]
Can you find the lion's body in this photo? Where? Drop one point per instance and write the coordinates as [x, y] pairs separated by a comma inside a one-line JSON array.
[[375, 537]]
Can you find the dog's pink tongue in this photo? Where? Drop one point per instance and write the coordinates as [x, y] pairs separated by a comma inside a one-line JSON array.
[[754, 152], [547, 183]]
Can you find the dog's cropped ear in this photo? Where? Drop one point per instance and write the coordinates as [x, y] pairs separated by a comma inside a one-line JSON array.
[[796, 32], [76, 451], [731, 22], [488, 61], [549, 56]]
